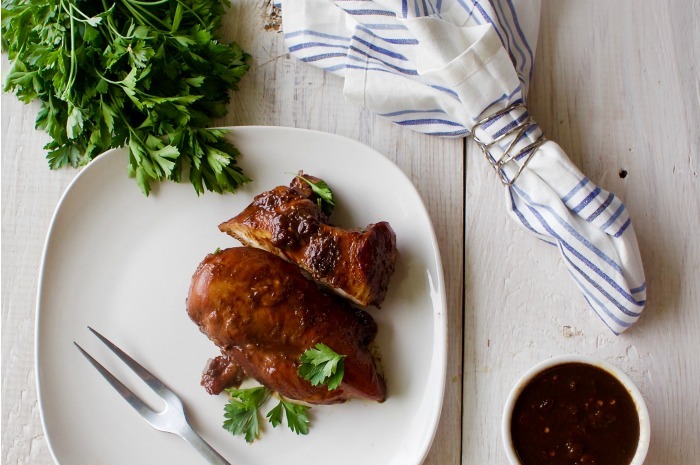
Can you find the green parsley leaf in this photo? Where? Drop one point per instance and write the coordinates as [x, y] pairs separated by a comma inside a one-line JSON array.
[[297, 419], [322, 365], [274, 416], [241, 411], [324, 193], [150, 76]]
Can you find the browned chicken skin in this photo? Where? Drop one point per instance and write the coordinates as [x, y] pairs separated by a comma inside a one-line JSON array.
[[263, 314], [288, 222]]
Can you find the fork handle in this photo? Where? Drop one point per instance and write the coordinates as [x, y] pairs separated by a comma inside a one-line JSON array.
[[201, 446]]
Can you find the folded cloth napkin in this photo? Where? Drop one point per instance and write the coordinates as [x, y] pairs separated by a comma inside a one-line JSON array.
[[455, 68]]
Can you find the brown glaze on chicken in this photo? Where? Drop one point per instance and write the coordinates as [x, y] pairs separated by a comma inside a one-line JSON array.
[[288, 222], [220, 373], [263, 314]]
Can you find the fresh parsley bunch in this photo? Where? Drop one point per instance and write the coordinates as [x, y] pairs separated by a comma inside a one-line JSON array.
[[146, 74]]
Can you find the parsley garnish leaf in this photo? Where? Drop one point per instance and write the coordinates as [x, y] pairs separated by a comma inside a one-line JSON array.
[[241, 411], [274, 416], [297, 419], [325, 194], [321, 365]]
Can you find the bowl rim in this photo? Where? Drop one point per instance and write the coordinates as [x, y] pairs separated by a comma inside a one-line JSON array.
[[527, 376]]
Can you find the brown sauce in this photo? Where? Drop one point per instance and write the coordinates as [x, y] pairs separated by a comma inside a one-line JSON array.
[[575, 414]]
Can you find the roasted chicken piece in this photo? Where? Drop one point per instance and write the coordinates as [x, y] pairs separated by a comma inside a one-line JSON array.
[[221, 373], [263, 314], [289, 222]]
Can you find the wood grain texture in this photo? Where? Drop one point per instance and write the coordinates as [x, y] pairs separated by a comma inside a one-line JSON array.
[[616, 85], [648, 121], [28, 199]]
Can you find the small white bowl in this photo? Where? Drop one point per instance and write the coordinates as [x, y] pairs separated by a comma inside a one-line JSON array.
[[642, 412]]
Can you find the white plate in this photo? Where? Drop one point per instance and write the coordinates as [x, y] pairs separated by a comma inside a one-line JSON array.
[[121, 263]]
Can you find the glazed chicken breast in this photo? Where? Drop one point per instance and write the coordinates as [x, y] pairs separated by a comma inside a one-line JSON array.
[[263, 314], [289, 222]]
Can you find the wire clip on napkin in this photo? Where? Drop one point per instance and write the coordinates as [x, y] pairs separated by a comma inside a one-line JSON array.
[[458, 67], [514, 133]]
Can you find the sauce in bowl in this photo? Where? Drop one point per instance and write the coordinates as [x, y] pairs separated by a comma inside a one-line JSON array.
[[575, 414]]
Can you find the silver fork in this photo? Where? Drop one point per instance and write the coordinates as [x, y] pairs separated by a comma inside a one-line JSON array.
[[172, 419]]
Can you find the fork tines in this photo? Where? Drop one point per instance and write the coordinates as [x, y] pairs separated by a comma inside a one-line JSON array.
[[172, 419]]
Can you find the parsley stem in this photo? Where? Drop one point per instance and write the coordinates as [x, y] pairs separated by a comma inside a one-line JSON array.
[[141, 20], [75, 8], [73, 63], [132, 6], [106, 79], [159, 2], [191, 11], [111, 28]]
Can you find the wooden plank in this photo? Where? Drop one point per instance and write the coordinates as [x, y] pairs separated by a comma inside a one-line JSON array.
[[646, 123], [616, 85], [29, 196]]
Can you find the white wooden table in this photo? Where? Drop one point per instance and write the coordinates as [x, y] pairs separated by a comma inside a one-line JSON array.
[[616, 84]]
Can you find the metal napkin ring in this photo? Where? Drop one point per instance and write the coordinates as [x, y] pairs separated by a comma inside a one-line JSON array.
[[519, 130]]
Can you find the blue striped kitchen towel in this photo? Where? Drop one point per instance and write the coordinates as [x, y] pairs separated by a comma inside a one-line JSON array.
[[456, 68]]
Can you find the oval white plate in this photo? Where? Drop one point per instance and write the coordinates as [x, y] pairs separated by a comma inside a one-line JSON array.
[[121, 263]]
